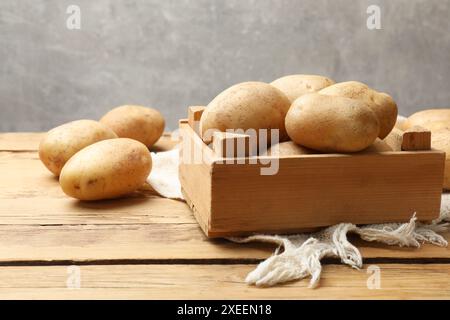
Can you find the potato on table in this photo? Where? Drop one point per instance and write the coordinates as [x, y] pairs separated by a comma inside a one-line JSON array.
[[135, 122], [107, 169], [431, 119], [440, 140], [332, 123], [61, 143]]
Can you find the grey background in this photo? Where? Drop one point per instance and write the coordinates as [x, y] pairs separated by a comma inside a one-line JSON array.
[[169, 54]]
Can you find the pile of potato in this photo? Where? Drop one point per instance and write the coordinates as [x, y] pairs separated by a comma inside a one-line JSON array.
[[103, 159], [315, 114], [310, 110]]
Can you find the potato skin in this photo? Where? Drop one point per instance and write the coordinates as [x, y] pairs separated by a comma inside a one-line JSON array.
[[381, 103], [62, 142], [247, 105], [331, 124], [440, 140], [287, 148], [107, 169], [136, 122], [431, 119], [296, 85]]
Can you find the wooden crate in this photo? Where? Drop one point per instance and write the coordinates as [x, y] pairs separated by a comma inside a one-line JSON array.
[[309, 191]]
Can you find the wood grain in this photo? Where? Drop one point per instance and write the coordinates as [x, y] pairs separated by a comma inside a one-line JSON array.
[[219, 282], [159, 241]]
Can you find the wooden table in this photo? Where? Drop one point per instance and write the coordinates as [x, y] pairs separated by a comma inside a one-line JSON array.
[[148, 247]]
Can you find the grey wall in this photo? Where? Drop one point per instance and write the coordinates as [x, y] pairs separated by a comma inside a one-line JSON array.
[[169, 54]]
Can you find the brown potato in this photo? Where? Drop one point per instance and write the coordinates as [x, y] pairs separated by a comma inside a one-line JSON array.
[[294, 86], [106, 169], [378, 146], [381, 103], [431, 119], [332, 123], [440, 140], [395, 139], [61, 143], [287, 148], [136, 122], [246, 106]]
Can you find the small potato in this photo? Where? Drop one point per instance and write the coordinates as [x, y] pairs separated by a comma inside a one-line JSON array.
[[61, 143], [381, 103], [248, 105], [331, 124], [395, 139], [136, 122], [294, 86], [287, 148], [378, 146], [440, 140], [400, 123], [431, 119], [107, 169]]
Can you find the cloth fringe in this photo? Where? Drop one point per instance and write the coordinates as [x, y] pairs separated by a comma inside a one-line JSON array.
[[299, 256]]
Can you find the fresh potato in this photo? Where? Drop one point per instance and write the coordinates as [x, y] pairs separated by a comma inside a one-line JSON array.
[[395, 139], [440, 140], [106, 169], [61, 143], [136, 122], [287, 148], [381, 103], [378, 146], [248, 105], [401, 122], [294, 86], [332, 123], [431, 119]]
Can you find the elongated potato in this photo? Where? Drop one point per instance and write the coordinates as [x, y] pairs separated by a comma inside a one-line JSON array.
[[332, 123], [136, 122], [107, 169], [431, 119], [440, 140], [381, 103], [296, 85], [247, 105], [61, 143], [287, 148]]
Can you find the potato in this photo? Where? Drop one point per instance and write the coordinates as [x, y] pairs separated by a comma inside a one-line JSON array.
[[106, 169], [287, 148], [331, 123], [378, 146], [294, 86], [61, 143], [395, 139], [401, 122], [381, 103], [136, 122], [440, 140], [248, 105], [431, 119]]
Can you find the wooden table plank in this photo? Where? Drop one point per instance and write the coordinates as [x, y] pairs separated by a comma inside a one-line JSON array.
[[158, 241], [400, 281]]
